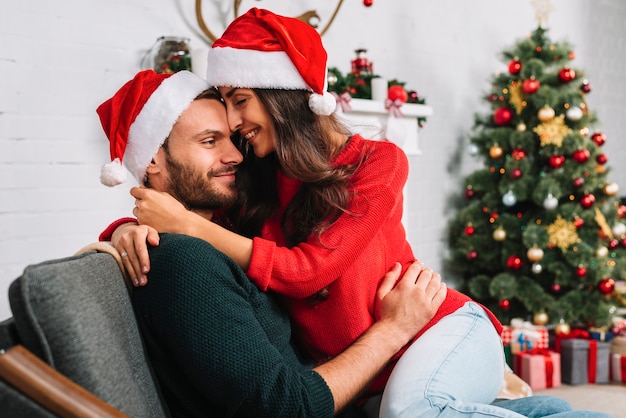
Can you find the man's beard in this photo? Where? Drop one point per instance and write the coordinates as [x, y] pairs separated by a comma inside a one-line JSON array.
[[194, 189]]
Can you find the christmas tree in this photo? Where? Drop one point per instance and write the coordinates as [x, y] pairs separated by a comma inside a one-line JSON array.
[[541, 232]]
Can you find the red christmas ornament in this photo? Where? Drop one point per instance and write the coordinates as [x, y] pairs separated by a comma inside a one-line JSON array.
[[516, 173], [606, 286], [503, 116], [368, 3], [504, 304], [581, 271], [469, 230], [515, 66], [567, 74], [530, 85], [556, 288], [556, 161], [578, 182], [518, 154], [492, 97], [599, 138], [585, 87], [601, 159], [579, 222], [587, 201], [621, 211], [581, 155], [397, 92], [514, 262], [472, 255], [413, 96], [613, 244], [469, 193]]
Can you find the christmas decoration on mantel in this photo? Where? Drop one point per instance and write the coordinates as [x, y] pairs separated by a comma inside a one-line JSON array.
[[358, 84], [542, 229]]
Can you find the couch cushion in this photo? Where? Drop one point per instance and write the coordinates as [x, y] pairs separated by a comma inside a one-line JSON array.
[[75, 313]]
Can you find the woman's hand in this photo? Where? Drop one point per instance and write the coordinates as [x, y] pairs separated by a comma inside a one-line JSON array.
[[160, 210], [132, 243]]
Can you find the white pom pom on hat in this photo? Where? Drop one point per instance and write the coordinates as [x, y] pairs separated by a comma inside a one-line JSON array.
[[261, 49], [140, 116]]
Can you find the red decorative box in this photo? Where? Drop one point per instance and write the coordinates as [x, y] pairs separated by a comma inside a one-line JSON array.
[[540, 368]]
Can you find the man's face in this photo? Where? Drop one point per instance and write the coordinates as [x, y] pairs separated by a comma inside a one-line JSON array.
[[200, 161]]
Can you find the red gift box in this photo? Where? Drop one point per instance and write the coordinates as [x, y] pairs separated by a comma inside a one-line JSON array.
[[539, 367], [618, 368]]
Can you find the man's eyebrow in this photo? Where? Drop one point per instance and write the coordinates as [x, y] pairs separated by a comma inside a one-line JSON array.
[[209, 132]]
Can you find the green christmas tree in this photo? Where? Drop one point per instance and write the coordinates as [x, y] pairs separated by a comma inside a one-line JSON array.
[[541, 230]]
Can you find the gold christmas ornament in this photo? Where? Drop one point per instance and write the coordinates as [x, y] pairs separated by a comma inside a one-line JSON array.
[[552, 131], [499, 234], [562, 234], [562, 327], [545, 114], [610, 189], [534, 254], [602, 252], [540, 318], [495, 152]]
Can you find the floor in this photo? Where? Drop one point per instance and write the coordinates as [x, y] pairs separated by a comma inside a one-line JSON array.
[[608, 398]]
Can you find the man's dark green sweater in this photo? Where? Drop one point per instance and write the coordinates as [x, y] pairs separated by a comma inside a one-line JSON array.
[[219, 346]]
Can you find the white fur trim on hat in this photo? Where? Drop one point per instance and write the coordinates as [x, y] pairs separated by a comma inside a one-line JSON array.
[[249, 68], [157, 118]]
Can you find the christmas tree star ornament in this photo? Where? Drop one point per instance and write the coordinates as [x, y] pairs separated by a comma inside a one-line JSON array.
[[543, 8]]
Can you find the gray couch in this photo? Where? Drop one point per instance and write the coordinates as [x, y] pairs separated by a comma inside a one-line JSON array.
[[75, 314]]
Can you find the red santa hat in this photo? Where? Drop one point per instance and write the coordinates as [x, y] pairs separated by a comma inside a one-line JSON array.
[[140, 116], [260, 49]]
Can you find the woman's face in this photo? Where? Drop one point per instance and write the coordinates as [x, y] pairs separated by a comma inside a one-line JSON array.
[[247, 115]]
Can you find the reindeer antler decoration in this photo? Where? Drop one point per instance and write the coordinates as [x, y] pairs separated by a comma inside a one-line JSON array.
[[307, 17]]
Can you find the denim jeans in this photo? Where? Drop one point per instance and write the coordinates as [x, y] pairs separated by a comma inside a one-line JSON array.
[[455, 369]]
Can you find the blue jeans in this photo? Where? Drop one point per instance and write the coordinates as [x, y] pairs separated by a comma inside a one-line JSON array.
[[546, 406], [456, 369]]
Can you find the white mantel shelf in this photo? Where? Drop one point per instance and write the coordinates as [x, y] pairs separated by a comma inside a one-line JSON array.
[[372, 120]]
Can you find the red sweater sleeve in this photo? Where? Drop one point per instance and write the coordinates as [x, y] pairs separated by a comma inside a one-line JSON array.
[[303, 270], [108, 232]]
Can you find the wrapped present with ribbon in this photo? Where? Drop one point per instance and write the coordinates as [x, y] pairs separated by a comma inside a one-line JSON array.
[[576, 333], [584, 361], [618, 346], [618, 368], [539, 367], [600, 334], [536, 335]]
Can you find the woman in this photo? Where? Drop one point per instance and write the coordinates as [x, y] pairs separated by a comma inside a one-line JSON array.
[[320, 214]]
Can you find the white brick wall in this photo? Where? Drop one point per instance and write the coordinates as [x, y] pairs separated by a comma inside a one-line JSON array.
[[60, 59]]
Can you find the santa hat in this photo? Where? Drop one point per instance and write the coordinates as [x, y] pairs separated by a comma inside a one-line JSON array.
[[140, 116], [260, 49]]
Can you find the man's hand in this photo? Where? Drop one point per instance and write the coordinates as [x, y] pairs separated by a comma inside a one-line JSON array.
[[409, 303], [132, 243]]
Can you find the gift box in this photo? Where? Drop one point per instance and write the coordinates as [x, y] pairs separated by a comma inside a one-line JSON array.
[[618, 368], [600, 334], [584, 361], [540, 368], [618, 345], [524, 332]]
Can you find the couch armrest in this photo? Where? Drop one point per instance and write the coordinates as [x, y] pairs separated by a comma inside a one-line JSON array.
[[49, 388]]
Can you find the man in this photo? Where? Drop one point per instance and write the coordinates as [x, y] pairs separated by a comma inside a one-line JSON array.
[[219, 346]]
